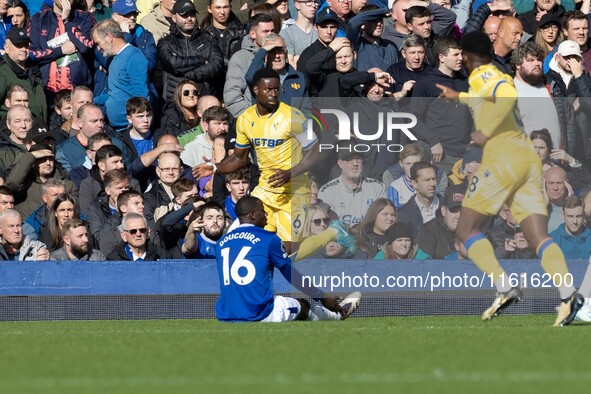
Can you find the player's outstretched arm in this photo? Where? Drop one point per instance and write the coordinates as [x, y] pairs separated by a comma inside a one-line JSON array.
[[230, 164]]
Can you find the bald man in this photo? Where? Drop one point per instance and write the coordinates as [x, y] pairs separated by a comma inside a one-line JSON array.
[[557, 189], [508, 38], [491, 27], [204, 103]]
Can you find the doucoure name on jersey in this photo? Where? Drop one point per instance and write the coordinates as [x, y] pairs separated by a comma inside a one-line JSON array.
[[245, 235]]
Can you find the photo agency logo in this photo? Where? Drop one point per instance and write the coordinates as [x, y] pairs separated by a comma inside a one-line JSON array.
[[378, 131]]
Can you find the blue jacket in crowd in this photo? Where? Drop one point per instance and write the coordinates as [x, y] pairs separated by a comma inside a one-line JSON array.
[[574, 247]]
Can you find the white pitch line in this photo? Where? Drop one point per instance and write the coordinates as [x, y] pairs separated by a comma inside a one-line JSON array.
[[437, 375]]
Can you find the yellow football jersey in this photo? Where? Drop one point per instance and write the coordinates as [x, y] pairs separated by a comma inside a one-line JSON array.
[[278, 139], [492, 99]]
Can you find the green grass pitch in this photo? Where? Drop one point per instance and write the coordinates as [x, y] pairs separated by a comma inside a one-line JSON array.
[[513, 354]]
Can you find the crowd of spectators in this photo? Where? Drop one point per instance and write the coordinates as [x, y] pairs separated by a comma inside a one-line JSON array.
[[106, 107]]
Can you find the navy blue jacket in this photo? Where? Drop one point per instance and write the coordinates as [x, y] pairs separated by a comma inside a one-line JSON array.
[[43, 27]]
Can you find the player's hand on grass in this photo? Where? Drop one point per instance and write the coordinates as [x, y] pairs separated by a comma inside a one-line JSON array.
[[479, 138], [202, 170], [280, 177], [447, 93], [437, 152], [332, 304]]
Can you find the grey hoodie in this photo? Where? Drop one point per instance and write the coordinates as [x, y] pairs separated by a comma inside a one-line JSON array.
[[237, 96]]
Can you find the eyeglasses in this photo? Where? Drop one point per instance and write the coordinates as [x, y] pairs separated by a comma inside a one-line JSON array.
[[310, 3], [549, 27], [318, 222], [134, 231], [169, 169], [194, 92]]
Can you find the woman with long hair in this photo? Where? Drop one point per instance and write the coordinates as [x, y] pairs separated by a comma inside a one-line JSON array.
[[548, 34], [370, 233], [181, 115], [64, 208], [20, 14]]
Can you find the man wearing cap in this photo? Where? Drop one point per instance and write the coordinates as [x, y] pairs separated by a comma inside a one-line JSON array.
[[186, 53], [17, 68], [535, 104], [567, 78], [125, 14], [530, 19], [436, 238], [158, 21], [351, 194], [33, 169], [327, 24], [128, 72]]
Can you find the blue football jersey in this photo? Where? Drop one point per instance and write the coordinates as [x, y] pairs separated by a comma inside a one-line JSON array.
[[246, 258]]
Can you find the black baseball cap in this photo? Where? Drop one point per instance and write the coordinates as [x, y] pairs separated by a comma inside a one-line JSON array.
[[18, 36], [183, 7]]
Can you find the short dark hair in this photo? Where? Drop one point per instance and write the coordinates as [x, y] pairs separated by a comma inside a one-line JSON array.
[[444, 44], [242, 174], [478, 44], [416, 11], [106, 152], [136, 105], [216, 113], [576, 15], [127, 195], [14, 89], [115, 175], [72, 224], [246, 205], [5, 191], [181, 186], [572, 202], [61, 97], [418, 166], [255, 20], [264, 73], [102, 136], [524, 50], [210, 205]]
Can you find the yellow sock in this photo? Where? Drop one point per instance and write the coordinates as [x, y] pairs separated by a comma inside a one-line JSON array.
[[312, 244], [553, 263], [481, 252]]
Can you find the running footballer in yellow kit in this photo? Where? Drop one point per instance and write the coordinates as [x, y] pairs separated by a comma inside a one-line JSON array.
[[511, 173], [284, 152]]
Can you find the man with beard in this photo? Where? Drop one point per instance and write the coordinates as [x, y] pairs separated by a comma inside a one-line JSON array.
[[533, 100], [136, 245], [186, 53], [203, 233], [76, 243]]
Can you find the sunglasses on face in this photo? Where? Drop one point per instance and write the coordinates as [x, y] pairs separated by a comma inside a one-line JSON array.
[[318, 222], [134, 231], [187, 92]]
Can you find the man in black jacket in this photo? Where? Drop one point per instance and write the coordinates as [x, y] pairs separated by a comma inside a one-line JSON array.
[[443, 125], [186, 53], [136, 245]]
